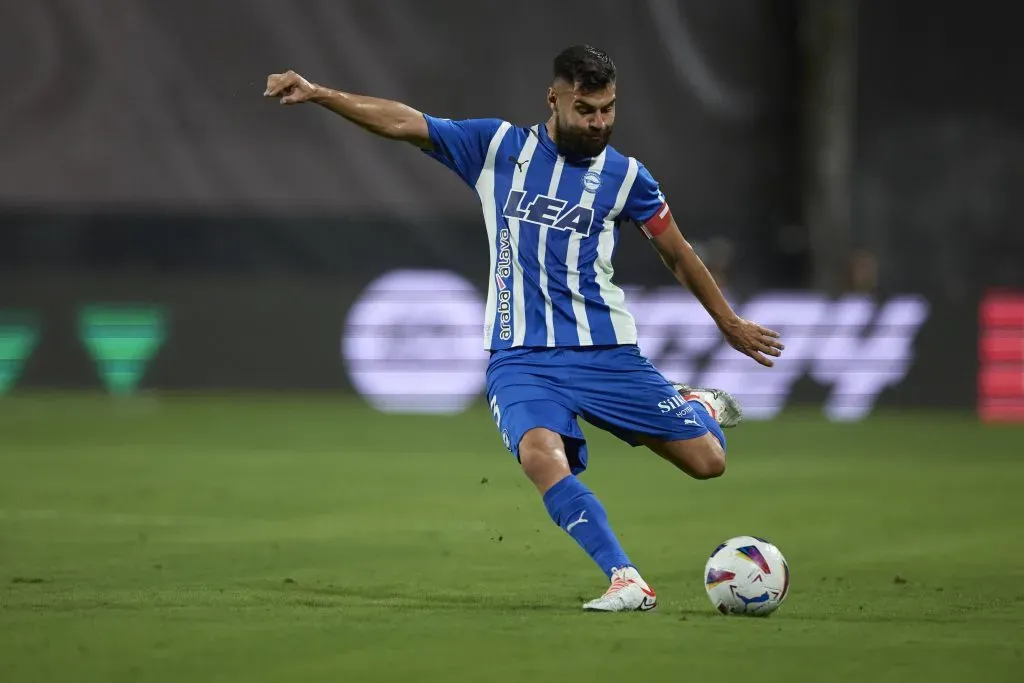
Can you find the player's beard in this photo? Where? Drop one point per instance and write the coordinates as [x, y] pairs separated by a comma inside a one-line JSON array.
[[579, 141]]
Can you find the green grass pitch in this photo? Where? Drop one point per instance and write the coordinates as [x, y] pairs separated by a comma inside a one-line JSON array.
[[312, 539]]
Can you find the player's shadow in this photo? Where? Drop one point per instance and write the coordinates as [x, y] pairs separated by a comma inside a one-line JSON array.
[[784, 615], [408, 600], [687, 614]]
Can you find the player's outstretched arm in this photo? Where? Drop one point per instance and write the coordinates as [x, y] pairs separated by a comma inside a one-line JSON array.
[[745, 336], [389, 119]]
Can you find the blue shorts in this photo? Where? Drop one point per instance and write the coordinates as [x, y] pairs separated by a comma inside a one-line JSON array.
[[612, 387]]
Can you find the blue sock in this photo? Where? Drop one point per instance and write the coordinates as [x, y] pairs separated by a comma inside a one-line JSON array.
[[578, 511], [709, 422]]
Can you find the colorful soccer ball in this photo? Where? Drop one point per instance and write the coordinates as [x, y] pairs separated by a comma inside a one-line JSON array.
[[746, 575]]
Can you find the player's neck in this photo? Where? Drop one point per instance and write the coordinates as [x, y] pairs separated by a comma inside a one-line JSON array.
[[552, 131]]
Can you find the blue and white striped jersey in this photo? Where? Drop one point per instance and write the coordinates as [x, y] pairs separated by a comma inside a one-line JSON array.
[[552, 225]]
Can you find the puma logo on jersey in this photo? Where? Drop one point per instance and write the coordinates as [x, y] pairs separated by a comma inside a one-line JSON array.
[[548, 211], [519, 164]]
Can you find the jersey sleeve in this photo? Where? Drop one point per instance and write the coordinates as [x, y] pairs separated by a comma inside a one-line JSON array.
[[645, 204], [461, 145]]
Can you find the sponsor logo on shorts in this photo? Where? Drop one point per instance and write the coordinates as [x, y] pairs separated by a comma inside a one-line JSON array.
[[670, 403]]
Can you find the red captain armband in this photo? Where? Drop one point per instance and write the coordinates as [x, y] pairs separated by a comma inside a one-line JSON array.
[[659, 222]]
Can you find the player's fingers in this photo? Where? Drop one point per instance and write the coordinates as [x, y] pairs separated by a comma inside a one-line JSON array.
[[770, 350], [293, 95], [767, 362], [768, 333], [773, 342], [279, 83], [272, 81]]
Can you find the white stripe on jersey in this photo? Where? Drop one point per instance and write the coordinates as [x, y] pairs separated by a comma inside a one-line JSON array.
[[572, 262], [542, 251], [518, 305], [485, 188], [622, 321]]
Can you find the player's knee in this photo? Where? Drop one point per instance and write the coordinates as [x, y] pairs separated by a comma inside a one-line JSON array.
[[711, 464], [542, 456]]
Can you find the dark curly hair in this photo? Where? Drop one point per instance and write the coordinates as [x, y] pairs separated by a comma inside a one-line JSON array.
[[586, 67]]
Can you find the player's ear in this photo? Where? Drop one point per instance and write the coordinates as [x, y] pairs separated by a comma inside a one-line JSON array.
[[552, 98]]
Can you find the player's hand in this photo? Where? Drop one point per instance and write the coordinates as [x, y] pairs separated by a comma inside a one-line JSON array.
[[752, 340], [290, 87]]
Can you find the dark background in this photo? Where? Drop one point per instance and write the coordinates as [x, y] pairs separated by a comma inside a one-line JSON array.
[[831, 146]]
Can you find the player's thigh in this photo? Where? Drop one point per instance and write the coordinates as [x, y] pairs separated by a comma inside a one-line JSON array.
[[527, 393], [701, 457], [623, 393]]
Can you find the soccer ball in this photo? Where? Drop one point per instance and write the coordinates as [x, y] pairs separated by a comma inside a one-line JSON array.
[[746, 575]]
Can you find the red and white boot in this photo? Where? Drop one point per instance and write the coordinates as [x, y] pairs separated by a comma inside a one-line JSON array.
[[628, 593], [720, 404]]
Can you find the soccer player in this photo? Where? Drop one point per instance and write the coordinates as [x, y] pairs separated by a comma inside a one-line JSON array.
[[562, 343]]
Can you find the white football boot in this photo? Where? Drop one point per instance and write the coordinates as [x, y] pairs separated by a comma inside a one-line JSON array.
[[628, 593], [720, 404]]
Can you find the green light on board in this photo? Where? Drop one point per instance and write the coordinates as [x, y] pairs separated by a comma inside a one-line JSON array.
[[122, 340], [19, 332]]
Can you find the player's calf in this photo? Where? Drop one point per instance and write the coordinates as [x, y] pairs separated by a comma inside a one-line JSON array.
[[571, 505], [701, 458]]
